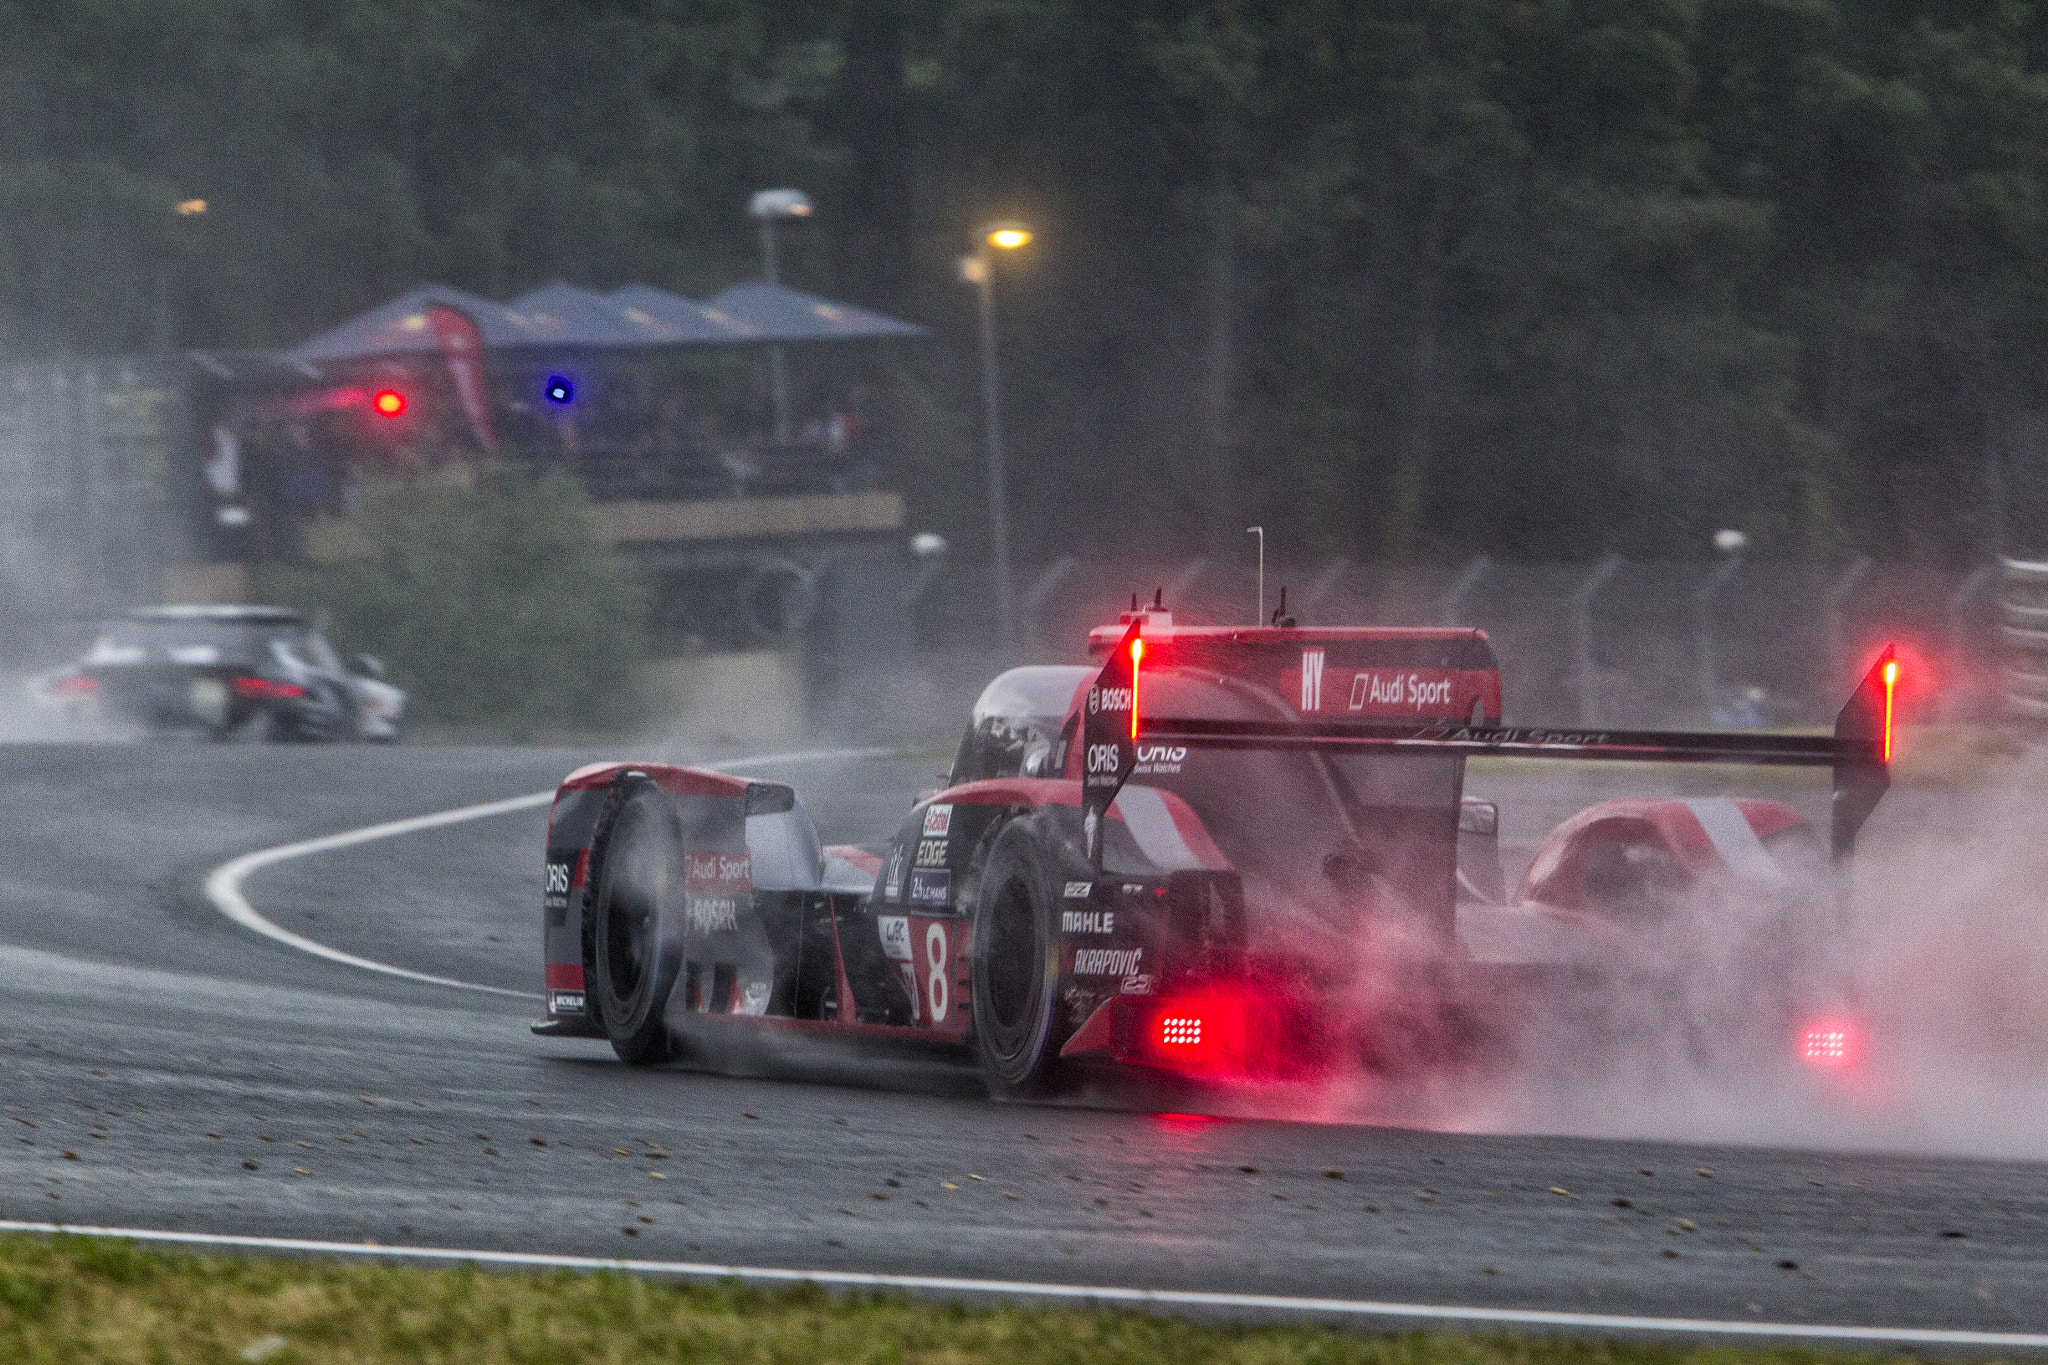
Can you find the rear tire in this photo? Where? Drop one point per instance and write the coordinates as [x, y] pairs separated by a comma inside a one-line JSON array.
[[636, 919], [1016, 966]]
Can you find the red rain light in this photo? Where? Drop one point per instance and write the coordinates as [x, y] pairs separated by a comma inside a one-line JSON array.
[[388, 402], [1828, 1043], [263, 689], [73, 686], [1891, 682], [1137, 653], [1180, 1030]]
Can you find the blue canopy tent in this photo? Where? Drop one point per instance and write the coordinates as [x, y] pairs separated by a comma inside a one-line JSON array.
[[673, 319], [400, 327], [777, 313], [565, 315]]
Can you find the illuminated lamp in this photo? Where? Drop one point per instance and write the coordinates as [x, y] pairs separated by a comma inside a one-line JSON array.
[[1891, 682], [1137, 654], [1828, 1044], [559, 388], [388, 402]]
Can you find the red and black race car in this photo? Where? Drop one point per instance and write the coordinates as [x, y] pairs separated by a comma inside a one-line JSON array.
[[1223, 852]]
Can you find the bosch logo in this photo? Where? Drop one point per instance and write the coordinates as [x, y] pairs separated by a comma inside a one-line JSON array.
[[1102, 699], [1103, 758]]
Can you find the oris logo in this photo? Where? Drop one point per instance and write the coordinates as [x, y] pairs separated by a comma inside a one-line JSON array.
[[1161, 753], [1103, 758]]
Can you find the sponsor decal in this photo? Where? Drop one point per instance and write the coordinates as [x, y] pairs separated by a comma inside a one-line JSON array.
[[938, 821], [1102, 699], [1077, 891], [555, 895], [565, 1002], [1087, 921], [1160, 758], [1106, 961], [1312, 680], [712, 886], [892, 884], [931, 852], [1410, 691], [1103, 760], [752, 999], [1137, 985], [931, 887], [895, 930]]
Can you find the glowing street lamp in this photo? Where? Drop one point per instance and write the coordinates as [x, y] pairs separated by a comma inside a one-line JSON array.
[[975, 270], [771, 207]]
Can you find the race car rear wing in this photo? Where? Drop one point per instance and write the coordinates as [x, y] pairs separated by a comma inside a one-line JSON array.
[[1859, 751]]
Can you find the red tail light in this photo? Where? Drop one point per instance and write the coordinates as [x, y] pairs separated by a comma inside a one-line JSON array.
[[75, 686], [1180, 1031], [1829, 1044], [1891, 682], [388, 403], [263, 689], [1137, 653]]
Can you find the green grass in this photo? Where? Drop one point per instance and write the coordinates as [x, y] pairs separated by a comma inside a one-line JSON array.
[[79, 1299]]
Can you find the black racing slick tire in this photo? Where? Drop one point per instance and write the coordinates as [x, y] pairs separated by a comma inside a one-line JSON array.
[[636, 925], [1016, 966]]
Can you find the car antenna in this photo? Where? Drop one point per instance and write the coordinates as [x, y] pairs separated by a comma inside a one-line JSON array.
[[1159, 599], [1260, 532], [1134, 601], [1280, 616]]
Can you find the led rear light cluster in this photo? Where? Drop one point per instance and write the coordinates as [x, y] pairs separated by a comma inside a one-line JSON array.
[[1826, 1045], [1180, 1030]]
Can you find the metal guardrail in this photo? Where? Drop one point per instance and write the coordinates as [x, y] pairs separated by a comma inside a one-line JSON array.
[[2023, 632]]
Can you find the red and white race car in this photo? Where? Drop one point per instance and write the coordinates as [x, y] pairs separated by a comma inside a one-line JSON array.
[[1220, 852]]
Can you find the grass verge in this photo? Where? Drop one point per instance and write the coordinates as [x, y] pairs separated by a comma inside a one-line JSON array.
[[72, 1299]]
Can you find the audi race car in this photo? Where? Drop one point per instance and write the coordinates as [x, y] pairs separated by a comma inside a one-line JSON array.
[[228, 672], [1219, 852]]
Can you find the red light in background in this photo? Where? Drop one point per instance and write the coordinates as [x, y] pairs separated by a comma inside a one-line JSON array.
[[263, 689], [1828, 1043], [388, 402], [75, 685]]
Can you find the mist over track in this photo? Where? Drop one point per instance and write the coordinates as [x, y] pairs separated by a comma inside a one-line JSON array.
[[164, 1067]]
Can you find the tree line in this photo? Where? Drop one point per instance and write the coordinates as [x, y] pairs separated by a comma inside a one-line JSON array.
[[1402, 280]]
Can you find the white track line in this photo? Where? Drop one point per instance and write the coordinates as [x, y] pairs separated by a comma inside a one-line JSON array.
[[1082, 1293], [224, 883]]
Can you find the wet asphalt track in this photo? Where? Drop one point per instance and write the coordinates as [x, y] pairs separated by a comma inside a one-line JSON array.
[[162, 1067]]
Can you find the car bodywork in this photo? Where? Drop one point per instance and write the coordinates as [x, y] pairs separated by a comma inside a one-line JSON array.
[[1219, 852], [224, 671]]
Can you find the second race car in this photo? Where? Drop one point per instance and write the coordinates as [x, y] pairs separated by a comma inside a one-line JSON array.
[[229, 672]]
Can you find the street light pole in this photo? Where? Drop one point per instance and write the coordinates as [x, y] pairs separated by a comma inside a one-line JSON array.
[[998, 483], [768, 206], [977, 271]]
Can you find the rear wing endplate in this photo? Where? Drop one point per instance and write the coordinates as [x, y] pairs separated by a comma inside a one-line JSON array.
[[1859, 751]]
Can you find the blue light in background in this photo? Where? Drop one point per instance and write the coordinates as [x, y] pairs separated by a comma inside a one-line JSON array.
[[559, 388]]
